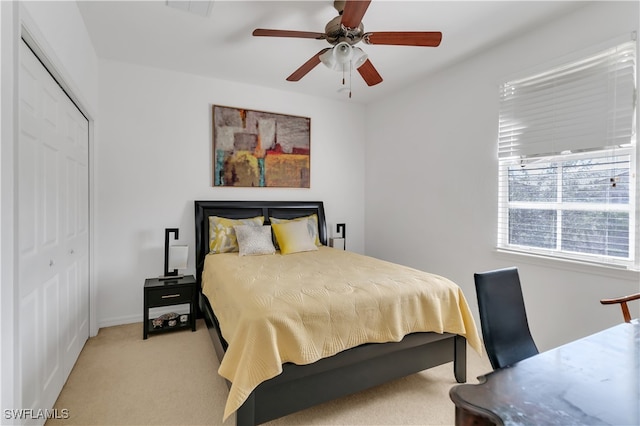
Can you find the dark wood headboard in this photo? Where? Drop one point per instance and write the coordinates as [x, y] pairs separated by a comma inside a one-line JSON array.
[[246, 209]]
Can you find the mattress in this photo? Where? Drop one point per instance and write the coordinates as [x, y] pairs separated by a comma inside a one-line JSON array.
[[302, 307]]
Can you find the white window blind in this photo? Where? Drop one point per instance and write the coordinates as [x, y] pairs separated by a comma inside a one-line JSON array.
[[584, 105], [567, 159]]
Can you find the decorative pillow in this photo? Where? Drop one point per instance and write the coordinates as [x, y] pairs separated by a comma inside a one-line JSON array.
[[254, 240], [312, 225], [222, 236], [293, 237]]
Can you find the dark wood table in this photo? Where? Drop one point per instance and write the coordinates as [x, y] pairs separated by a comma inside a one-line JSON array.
[[592, 381]]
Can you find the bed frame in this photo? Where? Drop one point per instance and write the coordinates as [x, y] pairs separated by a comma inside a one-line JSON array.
[[302, 386]]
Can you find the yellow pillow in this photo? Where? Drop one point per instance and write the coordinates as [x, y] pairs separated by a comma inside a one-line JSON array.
[[311, 221], [293, 237], [222, 236]]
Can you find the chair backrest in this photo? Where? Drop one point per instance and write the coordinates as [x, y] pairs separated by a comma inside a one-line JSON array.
[[623, 304], [503, 318]]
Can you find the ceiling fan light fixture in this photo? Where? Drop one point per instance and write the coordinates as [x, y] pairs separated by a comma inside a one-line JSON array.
[[343, 32], [339, 56]]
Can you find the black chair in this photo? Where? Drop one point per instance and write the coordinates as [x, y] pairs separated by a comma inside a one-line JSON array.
[[505, 329]]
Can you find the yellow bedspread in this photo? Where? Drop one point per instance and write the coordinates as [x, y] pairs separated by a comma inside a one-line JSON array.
[[302, 307]]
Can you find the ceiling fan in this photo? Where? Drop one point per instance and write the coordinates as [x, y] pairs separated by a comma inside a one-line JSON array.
[[343, 32]]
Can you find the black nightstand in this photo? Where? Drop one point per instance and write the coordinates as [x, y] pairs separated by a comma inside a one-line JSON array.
[[168, 292]]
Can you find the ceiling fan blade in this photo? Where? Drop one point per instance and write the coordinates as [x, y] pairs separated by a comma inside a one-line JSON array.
[[286, 33], [404, 38], [353, 12], [307, 66], [369, 73]]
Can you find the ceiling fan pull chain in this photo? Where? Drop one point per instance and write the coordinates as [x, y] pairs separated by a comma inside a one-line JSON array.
[[350, 76]]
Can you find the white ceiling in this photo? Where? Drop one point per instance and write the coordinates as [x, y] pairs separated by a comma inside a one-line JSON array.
[[220, 44]]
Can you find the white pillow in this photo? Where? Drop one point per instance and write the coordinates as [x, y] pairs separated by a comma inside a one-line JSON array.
[[254, 240]]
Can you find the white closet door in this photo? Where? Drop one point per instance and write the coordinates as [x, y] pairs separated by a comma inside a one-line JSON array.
[[53, 235]]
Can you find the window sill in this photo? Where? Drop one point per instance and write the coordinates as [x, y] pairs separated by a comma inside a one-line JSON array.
[[571, 265]]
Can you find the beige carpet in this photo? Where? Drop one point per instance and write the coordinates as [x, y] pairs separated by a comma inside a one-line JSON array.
[[171, 379]]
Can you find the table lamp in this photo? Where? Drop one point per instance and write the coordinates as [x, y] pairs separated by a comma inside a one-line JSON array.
[[175, 256]]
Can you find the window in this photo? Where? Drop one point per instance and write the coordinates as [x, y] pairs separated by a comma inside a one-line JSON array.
[[567, 161]]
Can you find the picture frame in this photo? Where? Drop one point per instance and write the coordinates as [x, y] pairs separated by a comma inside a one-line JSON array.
[[260, 149]]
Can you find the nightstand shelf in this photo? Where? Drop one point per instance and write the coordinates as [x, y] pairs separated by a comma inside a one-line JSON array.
[[179, 325], [168, 292]]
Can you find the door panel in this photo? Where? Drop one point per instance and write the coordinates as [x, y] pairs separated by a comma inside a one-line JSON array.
[[83, 201], [50, 332], [53, 237], [30, 348], [71, 326], [27, 177], [51, 194], [71, 212], [83, 296]]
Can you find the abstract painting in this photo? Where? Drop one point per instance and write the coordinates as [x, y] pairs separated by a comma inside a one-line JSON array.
[[260, 149]]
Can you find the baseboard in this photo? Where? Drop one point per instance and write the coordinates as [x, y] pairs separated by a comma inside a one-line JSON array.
[[110, 322]]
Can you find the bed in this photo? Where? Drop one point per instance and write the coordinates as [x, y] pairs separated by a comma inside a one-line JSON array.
[[301, 385]]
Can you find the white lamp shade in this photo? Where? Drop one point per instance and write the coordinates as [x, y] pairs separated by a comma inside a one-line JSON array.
[[328, 59], [338, 57], [359, 57], [343, 52], [178, 256]]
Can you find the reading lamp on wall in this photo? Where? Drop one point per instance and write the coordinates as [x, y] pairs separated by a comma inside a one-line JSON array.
[[175, 256]]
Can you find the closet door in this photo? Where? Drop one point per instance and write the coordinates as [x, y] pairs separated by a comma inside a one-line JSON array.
[[53, 235]]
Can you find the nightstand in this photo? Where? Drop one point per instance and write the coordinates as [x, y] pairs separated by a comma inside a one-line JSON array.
[[167, 292]]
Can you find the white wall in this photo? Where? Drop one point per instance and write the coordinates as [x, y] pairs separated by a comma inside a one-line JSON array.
[[154, 160], [59, 30], [431, 178]]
